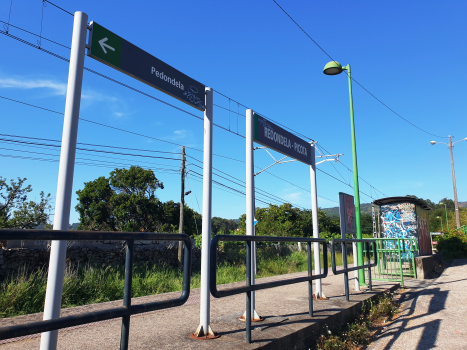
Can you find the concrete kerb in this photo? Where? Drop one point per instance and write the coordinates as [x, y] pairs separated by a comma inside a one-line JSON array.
[[287, 324]]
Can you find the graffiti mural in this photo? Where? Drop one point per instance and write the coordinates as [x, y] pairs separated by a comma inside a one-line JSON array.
[[399, 221]]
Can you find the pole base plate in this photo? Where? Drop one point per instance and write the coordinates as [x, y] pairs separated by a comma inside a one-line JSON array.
[[200, 334], [255, 318]]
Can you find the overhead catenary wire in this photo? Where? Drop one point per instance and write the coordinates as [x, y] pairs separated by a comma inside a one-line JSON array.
[[96, 150], [297, 133], [27, 31], [91, 144], [365, 89], [102, 161], [125, 85], [51, 3], [174, 172], [119, 129]]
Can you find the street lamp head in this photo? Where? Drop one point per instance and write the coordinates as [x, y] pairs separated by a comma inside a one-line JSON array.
[[432, 142], [332, 68]]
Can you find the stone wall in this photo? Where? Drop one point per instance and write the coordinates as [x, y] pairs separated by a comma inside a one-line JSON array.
[[101, 253]]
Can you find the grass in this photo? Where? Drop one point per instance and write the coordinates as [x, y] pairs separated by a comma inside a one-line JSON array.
[[359, 333], [24, 292]]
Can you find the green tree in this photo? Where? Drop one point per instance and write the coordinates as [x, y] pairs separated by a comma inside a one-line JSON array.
[[287, 221], [126, 201], [15, 209], [171, 219], [222, 226]]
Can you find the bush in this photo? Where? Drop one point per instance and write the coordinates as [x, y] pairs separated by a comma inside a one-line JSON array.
[[453, 245]]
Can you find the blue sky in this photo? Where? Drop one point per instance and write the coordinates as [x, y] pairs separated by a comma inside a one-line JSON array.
[[407, 54]]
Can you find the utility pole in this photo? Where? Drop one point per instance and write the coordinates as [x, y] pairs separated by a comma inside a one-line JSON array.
[[182, 211], [458, 221], [450, 146]]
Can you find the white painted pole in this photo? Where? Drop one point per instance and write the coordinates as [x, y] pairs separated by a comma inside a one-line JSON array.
[[204, 328], [314, 210], [250, 202], [355, 263], [53, 295], [250, 194]]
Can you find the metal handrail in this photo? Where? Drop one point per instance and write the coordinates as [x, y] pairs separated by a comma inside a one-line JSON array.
[[405, 248], [346, 269], [250, 288], [124, 311]]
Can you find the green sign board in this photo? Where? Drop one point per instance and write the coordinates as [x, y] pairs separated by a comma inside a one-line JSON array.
[[270, 135], [122, 55]]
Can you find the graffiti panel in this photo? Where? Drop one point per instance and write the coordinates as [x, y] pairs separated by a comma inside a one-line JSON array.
[[399, 221]]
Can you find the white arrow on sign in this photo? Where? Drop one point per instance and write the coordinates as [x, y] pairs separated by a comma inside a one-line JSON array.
[[103, 44]]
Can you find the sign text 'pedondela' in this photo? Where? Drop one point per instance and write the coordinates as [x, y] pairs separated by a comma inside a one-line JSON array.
[[122, 55]]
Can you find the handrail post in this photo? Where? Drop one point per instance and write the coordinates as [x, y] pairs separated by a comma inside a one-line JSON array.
[[367, 244], [127, 295], [400, 260], [248, 293], [346, 274], [310, 283]]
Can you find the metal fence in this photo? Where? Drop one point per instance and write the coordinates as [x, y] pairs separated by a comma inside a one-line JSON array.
[[396, 258], [124, 311], [345, 270], [249, 287]]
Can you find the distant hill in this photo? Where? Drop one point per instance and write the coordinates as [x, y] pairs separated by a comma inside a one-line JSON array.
[[365, 208]]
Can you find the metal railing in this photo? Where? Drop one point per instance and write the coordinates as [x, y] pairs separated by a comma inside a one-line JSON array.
[[396, 257], [345, 270], [250, 288], [462, 229], [124, 311]]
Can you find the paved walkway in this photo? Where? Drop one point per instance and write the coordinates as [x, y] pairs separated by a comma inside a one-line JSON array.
[[287, 324], [434, 317]]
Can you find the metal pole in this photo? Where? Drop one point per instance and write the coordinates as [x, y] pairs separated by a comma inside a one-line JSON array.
[[446, 211], [182, 211], [314, 214], [125, 332], [456, 205], [361, 274], [249, 305], [355, 259], [310, 283], [250, 199], [346, 274], [53, 295], [204, 328]]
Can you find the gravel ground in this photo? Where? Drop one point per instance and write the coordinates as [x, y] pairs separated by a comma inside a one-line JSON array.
[[434, 317]]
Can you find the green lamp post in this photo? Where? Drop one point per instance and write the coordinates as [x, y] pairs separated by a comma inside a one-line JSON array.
[[334, 68], [447, 221], [439, 217]]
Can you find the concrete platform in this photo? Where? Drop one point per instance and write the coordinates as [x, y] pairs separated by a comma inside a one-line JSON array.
[[433, 314], [287, 324]]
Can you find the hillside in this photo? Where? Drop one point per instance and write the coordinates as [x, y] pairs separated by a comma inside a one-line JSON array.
[[365, 208]]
